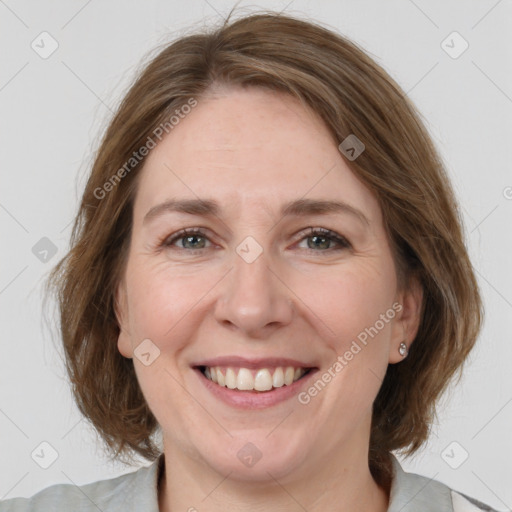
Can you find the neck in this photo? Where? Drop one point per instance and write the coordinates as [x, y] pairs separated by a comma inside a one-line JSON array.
[[192, 485]]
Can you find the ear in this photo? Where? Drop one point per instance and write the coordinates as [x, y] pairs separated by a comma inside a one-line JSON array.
[[407, 321], [124, 344]]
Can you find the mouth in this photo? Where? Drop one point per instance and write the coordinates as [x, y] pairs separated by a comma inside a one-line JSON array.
[[255, 380], [253, 383]]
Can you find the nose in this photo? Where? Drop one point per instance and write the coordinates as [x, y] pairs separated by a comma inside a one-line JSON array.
[[254, 298]]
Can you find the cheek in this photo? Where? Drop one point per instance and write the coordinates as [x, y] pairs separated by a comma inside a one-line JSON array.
[[348, 302], [163, 308], [163, 300]]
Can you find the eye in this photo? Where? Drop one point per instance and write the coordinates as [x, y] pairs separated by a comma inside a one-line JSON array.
[[193, 238], [323, 238]]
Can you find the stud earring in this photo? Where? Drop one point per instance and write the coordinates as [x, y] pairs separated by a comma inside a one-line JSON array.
[[402, 349]]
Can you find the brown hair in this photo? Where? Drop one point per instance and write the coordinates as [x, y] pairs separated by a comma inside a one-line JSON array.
[[353, 95]]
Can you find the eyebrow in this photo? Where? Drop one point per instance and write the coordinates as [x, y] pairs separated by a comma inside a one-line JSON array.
[[298, 207]]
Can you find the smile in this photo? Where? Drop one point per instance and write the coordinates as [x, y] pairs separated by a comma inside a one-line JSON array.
[[252, 385], [260, 380]]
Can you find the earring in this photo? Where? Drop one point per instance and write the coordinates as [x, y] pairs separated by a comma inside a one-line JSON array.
[[402, 349]]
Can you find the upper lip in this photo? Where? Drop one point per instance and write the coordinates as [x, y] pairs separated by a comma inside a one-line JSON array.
[[253, 363]]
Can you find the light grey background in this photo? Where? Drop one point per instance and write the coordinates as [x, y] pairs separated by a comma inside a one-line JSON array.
[[53, 111]]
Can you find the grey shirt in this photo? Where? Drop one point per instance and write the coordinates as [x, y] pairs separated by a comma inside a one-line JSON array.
[[138, 492]]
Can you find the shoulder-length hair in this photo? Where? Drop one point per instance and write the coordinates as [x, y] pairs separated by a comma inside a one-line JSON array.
[[353, 95]]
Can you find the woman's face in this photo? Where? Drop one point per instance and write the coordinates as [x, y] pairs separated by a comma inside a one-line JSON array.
[[255, 292]]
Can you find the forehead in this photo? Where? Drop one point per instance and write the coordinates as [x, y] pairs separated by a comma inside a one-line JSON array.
[[249, 146]]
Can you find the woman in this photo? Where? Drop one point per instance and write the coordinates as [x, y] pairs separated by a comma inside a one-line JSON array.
[[268, 269]]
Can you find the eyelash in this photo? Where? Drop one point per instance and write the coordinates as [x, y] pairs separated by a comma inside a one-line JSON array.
[[342, 242]]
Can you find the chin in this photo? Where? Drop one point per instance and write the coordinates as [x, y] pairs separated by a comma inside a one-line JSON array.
[[258, 457]]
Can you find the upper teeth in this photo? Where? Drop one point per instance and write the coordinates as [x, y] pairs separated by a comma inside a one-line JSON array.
[[262, 379]]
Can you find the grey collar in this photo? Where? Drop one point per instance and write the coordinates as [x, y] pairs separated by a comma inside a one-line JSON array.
[[411, 492]]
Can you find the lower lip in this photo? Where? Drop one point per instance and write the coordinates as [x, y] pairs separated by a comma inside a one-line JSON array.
[[254, 399]]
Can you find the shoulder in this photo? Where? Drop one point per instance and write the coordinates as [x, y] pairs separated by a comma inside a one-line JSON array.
[[463, 503], [411, 492], [130, 492]]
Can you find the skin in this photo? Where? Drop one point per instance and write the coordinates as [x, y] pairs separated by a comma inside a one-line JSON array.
[[253, 150]]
